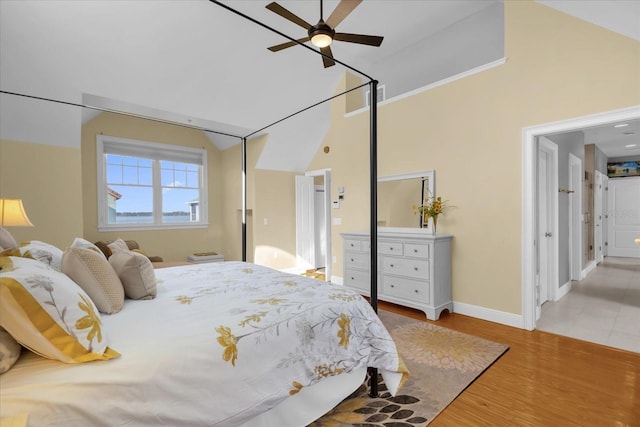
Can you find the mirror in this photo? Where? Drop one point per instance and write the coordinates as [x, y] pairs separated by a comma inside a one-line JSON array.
[[397, 196]]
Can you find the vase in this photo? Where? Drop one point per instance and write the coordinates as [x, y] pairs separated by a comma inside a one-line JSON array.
[[435, 224]]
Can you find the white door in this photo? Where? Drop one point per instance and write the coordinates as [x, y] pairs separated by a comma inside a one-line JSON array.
[[575, 217], [547, 197], [305, 222], [624, 217], [320, 235], [598, 215]]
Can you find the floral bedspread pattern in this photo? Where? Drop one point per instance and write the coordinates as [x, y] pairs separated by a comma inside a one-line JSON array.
[[286, 331], [220, 344]]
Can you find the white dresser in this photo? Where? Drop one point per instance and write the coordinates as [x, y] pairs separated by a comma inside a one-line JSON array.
[[414, 268]]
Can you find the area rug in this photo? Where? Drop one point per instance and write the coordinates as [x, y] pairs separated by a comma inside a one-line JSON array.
[[442, 363]]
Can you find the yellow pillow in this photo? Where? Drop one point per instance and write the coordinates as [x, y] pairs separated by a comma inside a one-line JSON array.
[[45, 311]]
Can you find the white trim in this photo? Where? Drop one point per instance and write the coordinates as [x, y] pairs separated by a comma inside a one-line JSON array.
[[588, 268], [459, 76], [562, 291], [155, 151], [337, 280], [575, 222], [529, 135], [489, 314]]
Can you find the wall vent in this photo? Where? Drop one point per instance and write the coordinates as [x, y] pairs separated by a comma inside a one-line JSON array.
[[381, 94]]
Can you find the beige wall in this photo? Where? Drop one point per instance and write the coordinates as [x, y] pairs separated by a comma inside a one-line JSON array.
[[470, 132], [47, 179], [172, 245], [270, 195]]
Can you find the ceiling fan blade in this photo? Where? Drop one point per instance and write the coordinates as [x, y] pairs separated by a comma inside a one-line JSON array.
[[326, 61], [359, 38], [278, 47], [344, 8], [276, 8]]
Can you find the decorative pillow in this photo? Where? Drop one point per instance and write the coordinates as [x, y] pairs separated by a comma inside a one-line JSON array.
[[9, 351], [6, 239], [79, 242], [136, 273], [47, 312], [104, 248], [95, 275], [41, 251], [118, 245]]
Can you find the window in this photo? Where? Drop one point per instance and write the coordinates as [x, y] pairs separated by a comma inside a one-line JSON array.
[[149, 185]]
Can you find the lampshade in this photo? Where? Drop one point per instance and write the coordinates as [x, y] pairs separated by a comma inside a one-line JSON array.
[[12, 214]]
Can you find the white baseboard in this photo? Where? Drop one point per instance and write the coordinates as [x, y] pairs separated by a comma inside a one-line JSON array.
[[496, 316], [588, 269], [336, 280]]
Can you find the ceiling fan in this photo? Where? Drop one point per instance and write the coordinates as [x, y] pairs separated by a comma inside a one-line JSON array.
[[323, 33]]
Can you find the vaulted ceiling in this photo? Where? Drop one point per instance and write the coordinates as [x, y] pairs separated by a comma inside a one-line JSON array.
[[194, 62]]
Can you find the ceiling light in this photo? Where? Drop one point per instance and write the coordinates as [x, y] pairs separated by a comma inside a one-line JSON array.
[[321, 34], [621, 125], [631, 146]]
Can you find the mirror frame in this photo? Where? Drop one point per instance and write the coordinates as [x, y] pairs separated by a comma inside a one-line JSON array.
[[431, 174]]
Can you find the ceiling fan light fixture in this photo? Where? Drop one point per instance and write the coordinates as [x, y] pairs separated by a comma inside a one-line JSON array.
[[321, 34]]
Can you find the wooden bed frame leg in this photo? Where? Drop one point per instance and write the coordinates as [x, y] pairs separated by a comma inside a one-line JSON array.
[[373, 382]]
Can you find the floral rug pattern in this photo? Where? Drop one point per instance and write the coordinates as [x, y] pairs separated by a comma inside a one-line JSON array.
[[442, 363]]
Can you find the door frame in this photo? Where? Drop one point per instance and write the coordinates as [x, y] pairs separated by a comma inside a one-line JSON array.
[[326, 173], [598, 216], [529, 154], [575, 221]]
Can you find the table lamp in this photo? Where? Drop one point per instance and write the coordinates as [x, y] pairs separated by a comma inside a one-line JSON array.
[[12, 214]]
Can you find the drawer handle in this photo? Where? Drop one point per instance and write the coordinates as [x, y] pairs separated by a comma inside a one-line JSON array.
[[415, 251], [416, 291], [415, 268], [351, 259], [391, 265], [353, 278], [391, 248], [393, 286]]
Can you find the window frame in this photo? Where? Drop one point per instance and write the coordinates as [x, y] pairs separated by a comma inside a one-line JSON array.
[[157, 152]]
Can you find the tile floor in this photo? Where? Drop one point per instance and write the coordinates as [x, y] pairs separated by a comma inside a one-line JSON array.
[[603, 308]]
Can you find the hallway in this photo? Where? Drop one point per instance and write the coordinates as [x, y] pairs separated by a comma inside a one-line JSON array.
[[603, 308]]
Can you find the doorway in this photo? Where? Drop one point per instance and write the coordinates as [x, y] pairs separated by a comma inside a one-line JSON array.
[[530, 193], [313, 222]]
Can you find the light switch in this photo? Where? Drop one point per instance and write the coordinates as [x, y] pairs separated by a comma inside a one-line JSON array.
[[335, 204]]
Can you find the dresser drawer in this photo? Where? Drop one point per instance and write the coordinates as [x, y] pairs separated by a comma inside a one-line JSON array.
[[406, 267], [390, 248], [357, 260], [400, 287], [353, 245], [416, 250], [358, 279]]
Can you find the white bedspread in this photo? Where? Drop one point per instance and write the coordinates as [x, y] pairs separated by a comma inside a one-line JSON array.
[[221, 343]]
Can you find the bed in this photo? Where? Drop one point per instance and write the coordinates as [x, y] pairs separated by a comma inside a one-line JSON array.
[[226, 343]]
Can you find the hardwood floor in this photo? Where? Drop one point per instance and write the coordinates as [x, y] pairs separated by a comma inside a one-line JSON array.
[[542, 380]]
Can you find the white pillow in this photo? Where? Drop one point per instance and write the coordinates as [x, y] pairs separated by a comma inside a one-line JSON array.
[[6, 239], [47, 312], [118, 245], [95, 275], [9, 351], [136, 274], [79, 242]]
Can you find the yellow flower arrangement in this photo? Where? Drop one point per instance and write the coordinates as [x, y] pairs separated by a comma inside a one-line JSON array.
[[431, 209]]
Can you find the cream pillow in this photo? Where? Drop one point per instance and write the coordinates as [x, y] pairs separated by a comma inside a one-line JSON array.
[[136, 274], [9, 351], [95, 275], [118, 245], [47, 312], [79, 242], [6, 239]]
